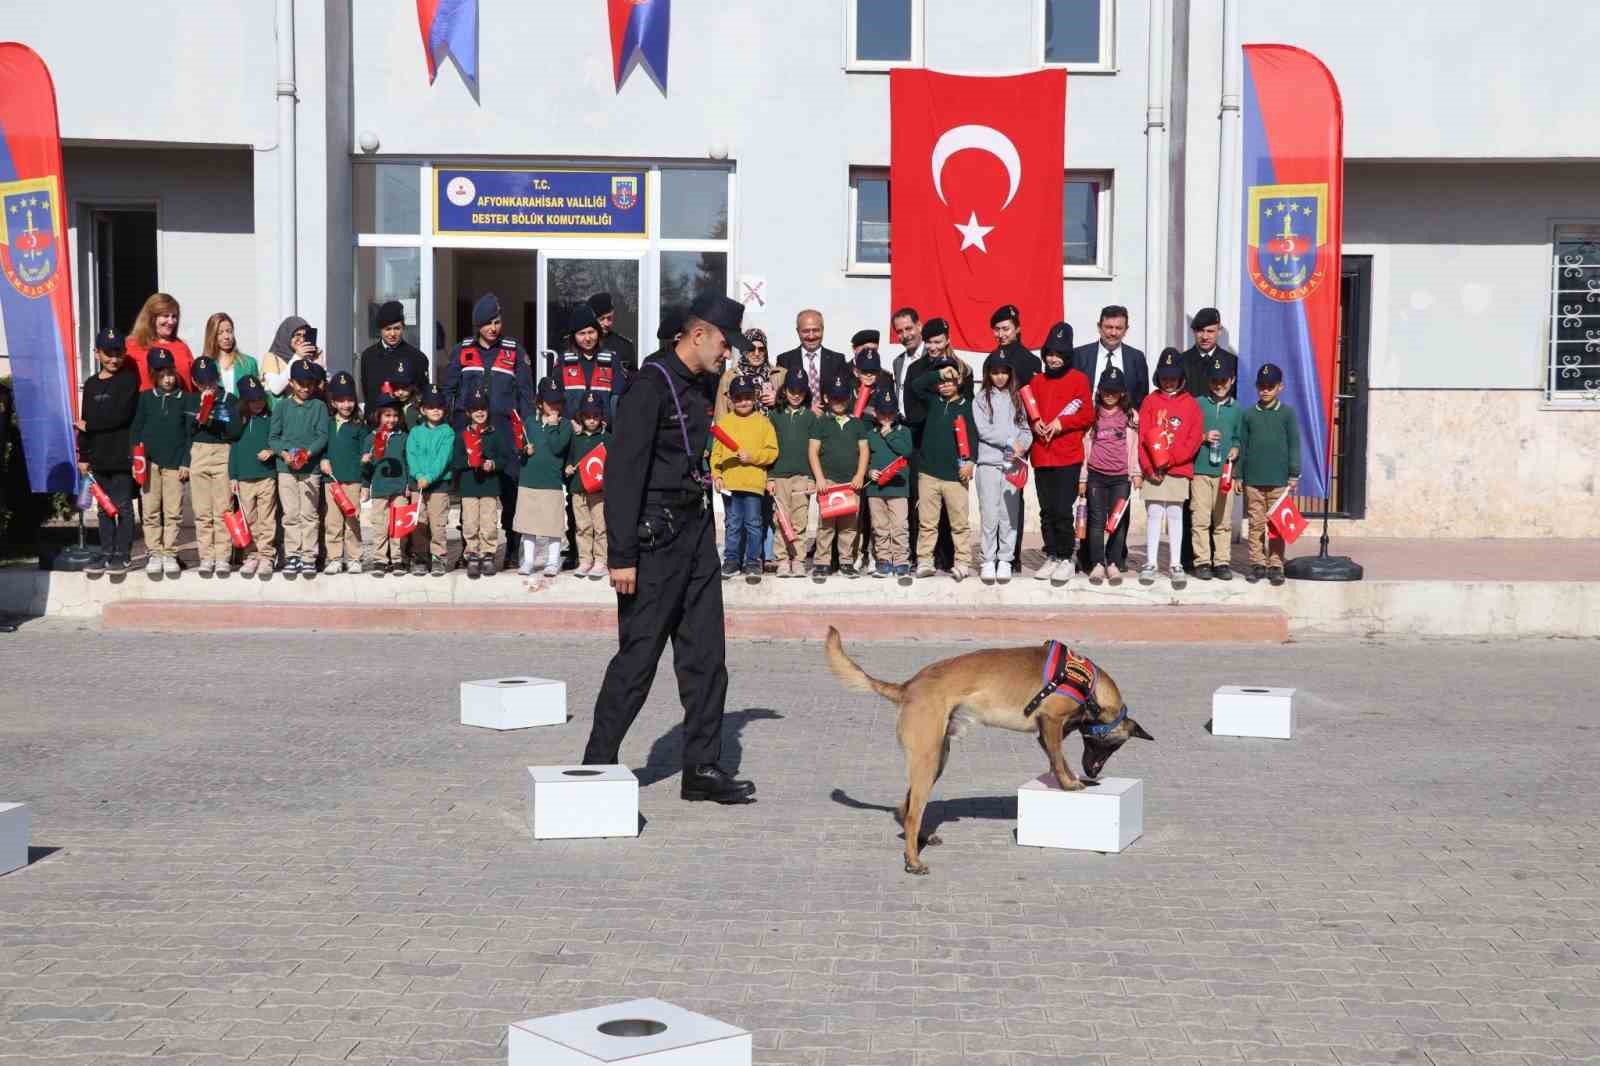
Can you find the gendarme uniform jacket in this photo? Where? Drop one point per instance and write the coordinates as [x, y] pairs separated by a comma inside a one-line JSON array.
[[161, 424], [505, 374]]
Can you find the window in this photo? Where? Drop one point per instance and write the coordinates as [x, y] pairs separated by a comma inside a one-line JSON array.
[[1573, 369], [684, 275], [883, 34], [1085, 223], [1077, 34], [384, 274], [694, 205], [387, 198], [869, 221]]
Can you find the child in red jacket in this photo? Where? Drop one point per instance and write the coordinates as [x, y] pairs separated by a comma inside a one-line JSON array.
[[1170, 426], [1066, 409]]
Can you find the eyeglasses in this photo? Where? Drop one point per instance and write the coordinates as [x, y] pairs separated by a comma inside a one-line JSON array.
[[758, 348]]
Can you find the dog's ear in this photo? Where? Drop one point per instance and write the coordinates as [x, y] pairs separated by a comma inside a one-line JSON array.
[[1138, 731]]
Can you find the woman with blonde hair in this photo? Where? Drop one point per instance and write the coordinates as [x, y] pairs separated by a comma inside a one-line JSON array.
[[157, 327], [222, 344]]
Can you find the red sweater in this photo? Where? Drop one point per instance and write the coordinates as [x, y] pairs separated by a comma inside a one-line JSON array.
[[1054, 396], [1175, 423], [182, 359]]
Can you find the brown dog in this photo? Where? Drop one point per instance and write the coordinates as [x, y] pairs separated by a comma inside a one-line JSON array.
[[991, 687]]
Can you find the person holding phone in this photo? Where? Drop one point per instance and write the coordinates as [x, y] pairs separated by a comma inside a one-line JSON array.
[[289, 344]]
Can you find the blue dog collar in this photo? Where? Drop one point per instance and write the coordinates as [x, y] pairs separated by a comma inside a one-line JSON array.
[[1100, 729]]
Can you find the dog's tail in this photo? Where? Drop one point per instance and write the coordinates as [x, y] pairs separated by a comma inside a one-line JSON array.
[[852, 676]]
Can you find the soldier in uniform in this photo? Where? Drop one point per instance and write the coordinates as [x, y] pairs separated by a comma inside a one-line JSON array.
[[587, 368], [1207, 328], [605, 314], [500, 367], [662, 553], [391, 356]]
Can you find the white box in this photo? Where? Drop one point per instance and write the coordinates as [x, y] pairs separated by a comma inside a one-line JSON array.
[[1238, 711], [513, 702], [1104, 817], [646, 1031], [582, 801], [14, 824]]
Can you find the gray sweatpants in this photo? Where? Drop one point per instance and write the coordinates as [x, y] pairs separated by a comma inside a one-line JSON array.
[[999, 507]]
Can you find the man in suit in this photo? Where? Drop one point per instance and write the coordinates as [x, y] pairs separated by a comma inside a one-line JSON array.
[[820, 365], [1092, 359], [908, 331], [1207, 328]]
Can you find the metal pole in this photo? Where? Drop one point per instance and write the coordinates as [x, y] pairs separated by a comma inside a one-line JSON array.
[[287, 219]]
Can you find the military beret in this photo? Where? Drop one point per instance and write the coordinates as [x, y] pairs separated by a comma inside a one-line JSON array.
[[600, 303], [1004, 313], [486, 310], [1060, 339], [392, 313], [1206, 316], [864, 336], [583, 317], [670, 327], [935, 327]]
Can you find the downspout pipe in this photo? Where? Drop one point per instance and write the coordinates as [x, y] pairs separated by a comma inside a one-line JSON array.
[[1155, 189], [1228, 171], [285, 91]]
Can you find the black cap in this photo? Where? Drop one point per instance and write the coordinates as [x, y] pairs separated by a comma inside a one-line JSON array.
[[159, 359], [600, 303], [1170, 365], [836, 389], [797, 381], [583, 317], [741, 386], [1111, 380], [486, 310], [1004, 312], [319, 372], [592, 405], [935, 327], [109, 340], [392, 313], [864, 336], [477, 400], [883, 400], [250, 388], [204, 371], [550, 391], [1269, 375], [303, 370], [342, 386], [869, 362], [727, 315], [995, 361], [670, 327], [1060, 339], [1217, 370], [1206, 316], [432, 397]]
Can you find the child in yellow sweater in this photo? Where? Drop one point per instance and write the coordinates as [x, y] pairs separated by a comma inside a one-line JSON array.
[[741, 476]]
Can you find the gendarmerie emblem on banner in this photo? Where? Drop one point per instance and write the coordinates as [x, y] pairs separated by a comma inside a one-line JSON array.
[[30, 235], [624, 193], [1288, 235]]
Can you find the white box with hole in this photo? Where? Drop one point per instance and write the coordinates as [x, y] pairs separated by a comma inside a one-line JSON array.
[[633, 1034], [1104, 817], [1241, 711], [15, 820], [566, 802], [513, 702]]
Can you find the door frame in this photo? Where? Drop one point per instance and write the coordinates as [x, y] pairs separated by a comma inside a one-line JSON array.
[[649, 294], [1352, 386], [86, 216]]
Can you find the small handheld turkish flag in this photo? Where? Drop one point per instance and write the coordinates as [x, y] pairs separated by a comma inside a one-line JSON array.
[[1080, 518], [472, 439], [888, 473], [1114, 519], [1286, 520], [1227, 478], [725, 438], [107, 508], [238, 529], [863, 394], [141, 466], [592, 470], [1030, 403], [342, 500], [380, 442], [208, 400], [1017, 473], [837, 501], [963, 444], [402, 518], [785, 526], [519, 432]]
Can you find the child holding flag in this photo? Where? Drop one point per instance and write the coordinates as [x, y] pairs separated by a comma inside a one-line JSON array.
[[428, 450], [588, 508], [1211, 486], [789, 481], [1169, 436], [1112, 444], [159, 438], [253, 477], [740, 471], [838, 456], [481, 452], [889, 487], [384, 463], [944, 467], [213, 431], [1269, 439], [348, 441], [541, 513]]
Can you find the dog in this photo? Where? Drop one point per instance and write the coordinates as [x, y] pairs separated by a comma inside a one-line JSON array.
[[1007, 688]]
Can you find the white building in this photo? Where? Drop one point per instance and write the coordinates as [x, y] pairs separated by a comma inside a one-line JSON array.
[[270, 158]]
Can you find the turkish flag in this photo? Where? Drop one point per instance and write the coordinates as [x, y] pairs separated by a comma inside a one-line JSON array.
[[1286, 520], [975, 209], [592, 470]]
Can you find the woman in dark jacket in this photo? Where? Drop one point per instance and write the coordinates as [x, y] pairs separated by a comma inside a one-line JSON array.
[[110, 399]]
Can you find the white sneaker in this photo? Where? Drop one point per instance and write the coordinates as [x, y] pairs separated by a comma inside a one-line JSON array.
[[152, 566], [169, 566], [599, 572], [206, 568], [222, 568], [986, 575], [552, 568], [1147, 574], [1178, 577], [583, 570], [248, 569], [335, 566], [1046, 568], [1064, 571], [353, 566], [1002, 573]]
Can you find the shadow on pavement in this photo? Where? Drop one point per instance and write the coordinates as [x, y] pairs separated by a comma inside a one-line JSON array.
[[666, 754]]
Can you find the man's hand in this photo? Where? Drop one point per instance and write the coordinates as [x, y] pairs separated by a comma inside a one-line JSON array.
[[625, 580]]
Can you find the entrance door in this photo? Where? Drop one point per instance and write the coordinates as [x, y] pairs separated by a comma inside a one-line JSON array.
[[124, 265], [567, 279], [1348, 472]]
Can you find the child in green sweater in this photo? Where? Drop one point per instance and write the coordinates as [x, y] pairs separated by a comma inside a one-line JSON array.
[[541, 517], [210, 443], [160, 436], [838, 452], [299, 439], [1208, 502], [943, 473], [384, 465], [889, 443], [589, 508], [789, 480], [253, 477], [481, 453], [429, 448], [347, 443], [1269, 439]]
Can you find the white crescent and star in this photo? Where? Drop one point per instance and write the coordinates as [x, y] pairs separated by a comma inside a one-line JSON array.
[[983, 139]]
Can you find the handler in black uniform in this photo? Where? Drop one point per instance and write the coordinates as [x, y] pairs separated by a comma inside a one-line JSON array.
[[605, 313], [662, 552]]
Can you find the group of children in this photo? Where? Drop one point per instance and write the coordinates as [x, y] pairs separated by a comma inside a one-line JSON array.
[[309, 465]]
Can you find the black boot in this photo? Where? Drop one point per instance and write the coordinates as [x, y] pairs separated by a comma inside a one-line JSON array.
[[712, 782]]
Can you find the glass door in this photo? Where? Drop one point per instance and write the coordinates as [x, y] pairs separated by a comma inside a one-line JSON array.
[[567, 279]]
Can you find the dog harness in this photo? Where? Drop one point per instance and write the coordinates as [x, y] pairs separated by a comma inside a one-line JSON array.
[[1075, 676]]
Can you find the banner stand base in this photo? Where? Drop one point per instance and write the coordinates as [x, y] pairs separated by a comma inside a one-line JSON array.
[[1323, 568], [71, 560]]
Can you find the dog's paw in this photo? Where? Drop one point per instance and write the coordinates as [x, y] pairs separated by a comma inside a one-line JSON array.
[[920, 868], [932, 842], [1071, 785]]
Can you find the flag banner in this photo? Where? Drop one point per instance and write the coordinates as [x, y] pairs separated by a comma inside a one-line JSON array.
[[975, 215], [592, 470], [36, 290], [450, 27], [640, 31], [1293, 189], [1286, 520]]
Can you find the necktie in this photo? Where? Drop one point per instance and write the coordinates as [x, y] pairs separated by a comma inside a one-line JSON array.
[[813, 376]]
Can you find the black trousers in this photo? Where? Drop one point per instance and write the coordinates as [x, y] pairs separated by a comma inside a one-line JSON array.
[[679, 597], [1104, 492], [116, 534], [1057, 487]]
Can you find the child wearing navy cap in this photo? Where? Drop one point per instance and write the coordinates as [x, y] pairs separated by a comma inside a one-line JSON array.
[[887, 503], [838, 453], [789, 481], [1269, 441], [347, 443], [541, 513], [110, 400], [253, 477], [588, 508], [740, 474], [384, 469], [482, 452], [214, 429], [299, 439], [160, 433], [429, 448]]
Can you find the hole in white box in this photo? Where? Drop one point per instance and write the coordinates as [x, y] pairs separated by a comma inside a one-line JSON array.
[[512, 681], [1253, 690], [583, 773], [632, 1026]]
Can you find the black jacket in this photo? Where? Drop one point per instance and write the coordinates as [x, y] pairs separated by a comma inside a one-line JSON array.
[[1197, 378], [1024, 364], [834, 366], [626, 351], [107, 409], [378, 363], [1134, 367]]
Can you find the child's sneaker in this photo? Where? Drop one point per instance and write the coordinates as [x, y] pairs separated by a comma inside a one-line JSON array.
[[96, 564], [960, 571], [883, 569], [986, 575], [1222, 572], [1113, 575], [925, 570], [753, 571], [439, 569], [264, 572], [1202, 571], [1255, 573], [1275, 575], [248, 569], [473, 567], [583, 570], [1063, 572], [729, 569], [335, 566], [352, 567], [819, 573], [1002, 573], [380, 568], [117, 564], [1180, 580], [1097, 576], [169, 566], [419, 569], [205, 568], [553, 567], [902, 572], [308, 568], [1046, 569], [848, 570], [599, 572], [222, 568], [1147, 574]]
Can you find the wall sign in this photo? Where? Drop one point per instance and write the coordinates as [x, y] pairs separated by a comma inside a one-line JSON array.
[[565, 203]]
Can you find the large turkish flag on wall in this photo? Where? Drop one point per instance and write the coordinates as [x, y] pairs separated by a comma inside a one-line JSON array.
[[975, 191]]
